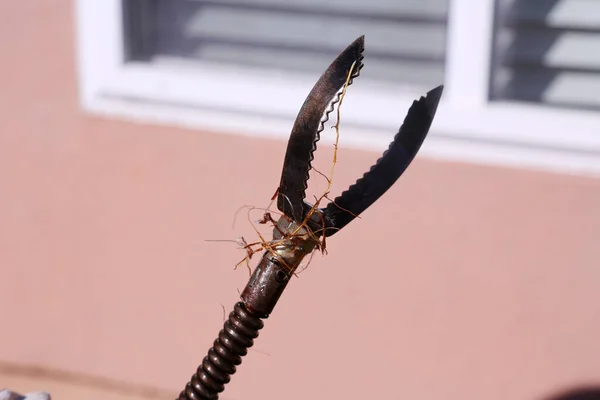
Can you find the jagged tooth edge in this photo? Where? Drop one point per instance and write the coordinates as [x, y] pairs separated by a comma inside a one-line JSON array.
[[325, 118], [360, 180], [337, 98]]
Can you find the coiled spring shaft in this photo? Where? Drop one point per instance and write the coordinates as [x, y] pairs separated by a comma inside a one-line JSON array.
[[237, 335], [269, 279]]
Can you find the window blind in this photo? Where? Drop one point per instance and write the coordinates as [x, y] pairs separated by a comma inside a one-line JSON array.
[[547, 51], [405, 40]]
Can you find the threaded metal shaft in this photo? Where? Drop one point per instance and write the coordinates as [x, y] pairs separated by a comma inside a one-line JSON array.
[[237, 335]]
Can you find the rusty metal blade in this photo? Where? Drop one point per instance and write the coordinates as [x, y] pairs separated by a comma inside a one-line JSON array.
[[388, 168], [307, 127]]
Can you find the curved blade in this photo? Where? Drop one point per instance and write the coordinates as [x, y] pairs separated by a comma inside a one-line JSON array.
[[308, 125], [388, 168]]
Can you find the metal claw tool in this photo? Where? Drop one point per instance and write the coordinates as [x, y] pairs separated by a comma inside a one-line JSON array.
[[301, 227]]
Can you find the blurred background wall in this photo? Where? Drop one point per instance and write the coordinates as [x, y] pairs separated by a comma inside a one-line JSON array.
[[465, 281]]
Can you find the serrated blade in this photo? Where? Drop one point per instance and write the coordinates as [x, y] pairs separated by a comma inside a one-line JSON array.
[[308, 125], [388, 168]]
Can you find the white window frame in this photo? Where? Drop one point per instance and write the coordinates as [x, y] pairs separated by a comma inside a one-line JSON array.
[[467, 127]]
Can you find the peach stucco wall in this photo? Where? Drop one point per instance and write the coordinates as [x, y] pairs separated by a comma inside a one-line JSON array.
[[463, 282]]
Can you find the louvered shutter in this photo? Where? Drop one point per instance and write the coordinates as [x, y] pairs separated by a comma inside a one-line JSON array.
[[547, 51], [405, 39]]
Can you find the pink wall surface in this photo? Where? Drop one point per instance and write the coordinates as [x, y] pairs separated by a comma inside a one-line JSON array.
[[462, 282]]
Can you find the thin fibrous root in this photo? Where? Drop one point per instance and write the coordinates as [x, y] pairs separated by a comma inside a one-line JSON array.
[[269, 246], [315, 207]]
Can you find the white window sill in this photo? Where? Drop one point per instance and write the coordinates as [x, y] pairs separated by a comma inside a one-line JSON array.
[[264, 105]]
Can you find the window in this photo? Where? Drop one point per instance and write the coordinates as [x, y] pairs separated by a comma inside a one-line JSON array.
[[247, 65], [284, 37], [548, 52]]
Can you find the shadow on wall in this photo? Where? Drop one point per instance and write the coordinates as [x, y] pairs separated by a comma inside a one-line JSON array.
[[43, 375], [581, 393]]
